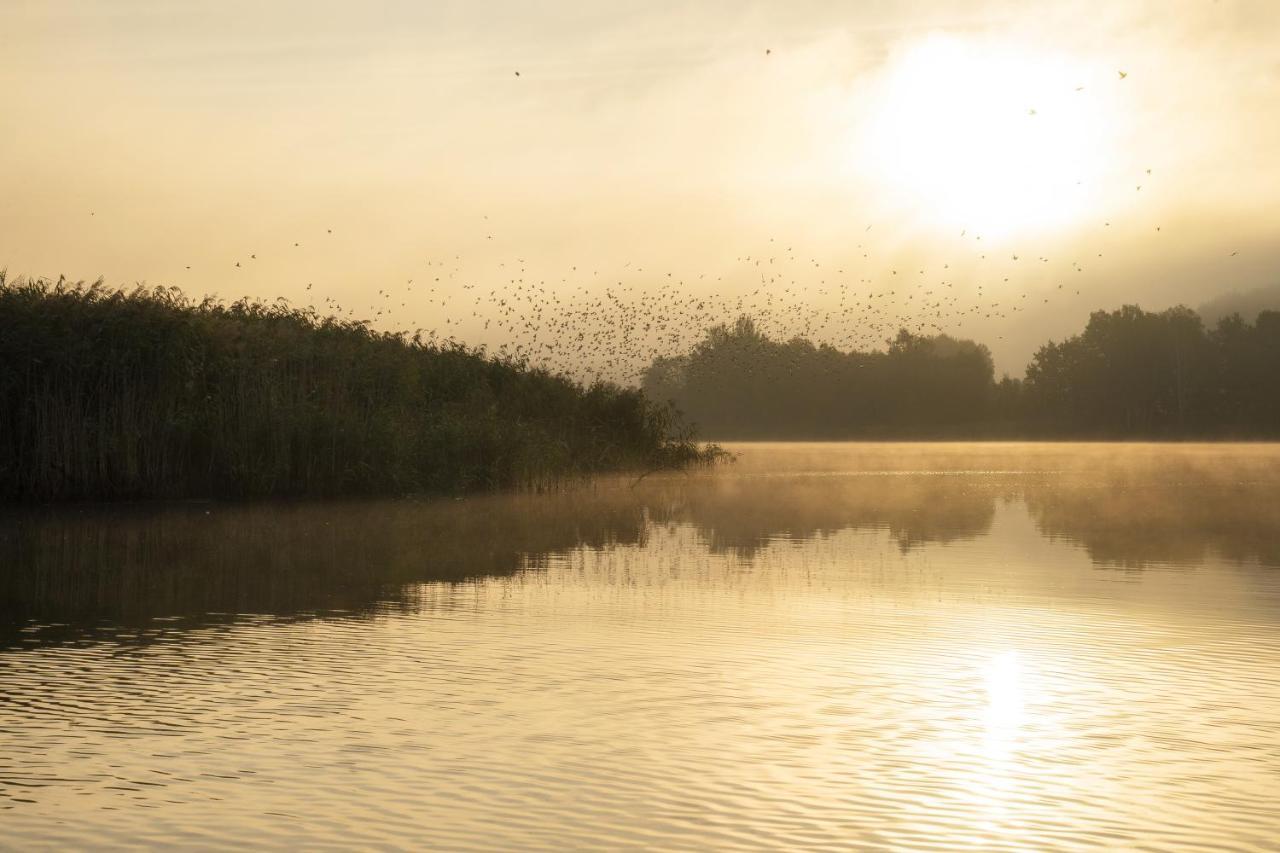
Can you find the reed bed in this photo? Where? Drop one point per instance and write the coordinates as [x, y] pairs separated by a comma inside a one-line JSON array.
[[146, 393]]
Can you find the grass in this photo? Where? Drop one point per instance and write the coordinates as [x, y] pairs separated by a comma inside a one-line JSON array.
[[114, 394]]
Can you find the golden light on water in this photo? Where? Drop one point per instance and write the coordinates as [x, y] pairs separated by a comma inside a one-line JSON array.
[[1003, 676], [990, 139], [999, 769]]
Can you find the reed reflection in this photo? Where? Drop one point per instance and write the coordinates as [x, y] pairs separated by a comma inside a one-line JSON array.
[[128, 565]]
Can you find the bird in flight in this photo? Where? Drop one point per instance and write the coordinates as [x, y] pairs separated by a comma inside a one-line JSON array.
[[1123, 74]]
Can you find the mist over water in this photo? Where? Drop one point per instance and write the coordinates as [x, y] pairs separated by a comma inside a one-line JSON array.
[[984, 645]]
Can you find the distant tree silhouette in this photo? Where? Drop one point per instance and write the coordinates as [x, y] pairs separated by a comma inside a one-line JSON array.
[[737, 383], [1247, 372], [1130, 373], [1138, 373]]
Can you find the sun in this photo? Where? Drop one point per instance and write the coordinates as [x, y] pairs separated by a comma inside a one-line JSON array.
[[987, 138]]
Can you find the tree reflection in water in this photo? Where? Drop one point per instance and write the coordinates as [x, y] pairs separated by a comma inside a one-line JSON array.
[[1127, 506]]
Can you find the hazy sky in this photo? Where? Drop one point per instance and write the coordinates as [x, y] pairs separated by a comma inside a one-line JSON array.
[[145, 136]]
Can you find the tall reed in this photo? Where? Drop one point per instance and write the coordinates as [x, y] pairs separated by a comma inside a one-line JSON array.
[[145, 393]]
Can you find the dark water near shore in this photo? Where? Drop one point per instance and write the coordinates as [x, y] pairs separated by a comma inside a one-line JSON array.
[[928, 645]]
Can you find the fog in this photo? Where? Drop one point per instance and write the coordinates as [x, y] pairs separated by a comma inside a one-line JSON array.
[[161, 143]]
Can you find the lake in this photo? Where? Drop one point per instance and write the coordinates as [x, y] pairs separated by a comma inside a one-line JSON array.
[[983, 646]]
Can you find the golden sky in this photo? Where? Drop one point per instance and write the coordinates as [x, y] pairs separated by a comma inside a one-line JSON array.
[[143, 137]]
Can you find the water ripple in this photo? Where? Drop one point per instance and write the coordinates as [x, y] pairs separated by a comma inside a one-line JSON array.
[[692, 684]]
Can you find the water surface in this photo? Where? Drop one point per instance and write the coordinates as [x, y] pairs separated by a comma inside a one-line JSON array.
[[891, 646]]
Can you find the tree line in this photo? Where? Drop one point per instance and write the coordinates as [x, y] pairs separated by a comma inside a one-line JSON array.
[[1129, 374]]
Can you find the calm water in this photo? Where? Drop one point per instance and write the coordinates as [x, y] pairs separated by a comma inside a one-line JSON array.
[[889, 646]]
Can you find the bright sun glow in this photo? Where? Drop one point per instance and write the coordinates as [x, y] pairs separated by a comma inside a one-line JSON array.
[[991, 139]]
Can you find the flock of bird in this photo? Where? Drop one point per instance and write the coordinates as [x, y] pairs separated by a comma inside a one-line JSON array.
[[612, 323]]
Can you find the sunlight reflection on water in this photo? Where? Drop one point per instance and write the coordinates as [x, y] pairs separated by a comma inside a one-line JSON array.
[[1079, 654], [1004, 697]]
